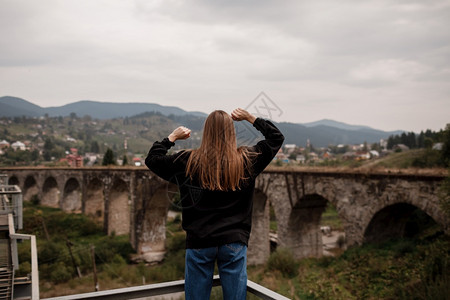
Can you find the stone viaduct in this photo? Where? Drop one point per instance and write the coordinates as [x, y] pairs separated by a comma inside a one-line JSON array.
[[134, 201]]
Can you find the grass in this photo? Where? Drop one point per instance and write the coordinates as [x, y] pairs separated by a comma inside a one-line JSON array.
[[401, 269], [399, 160]]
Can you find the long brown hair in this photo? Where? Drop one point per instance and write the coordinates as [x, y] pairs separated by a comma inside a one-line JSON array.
[[218, 164]]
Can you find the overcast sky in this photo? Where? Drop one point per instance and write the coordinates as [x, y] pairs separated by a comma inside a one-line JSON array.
[[381, 63]]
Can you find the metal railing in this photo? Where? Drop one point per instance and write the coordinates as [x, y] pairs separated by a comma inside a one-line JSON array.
[[34, 261], [11, 203], [11, 219], [164, 288]]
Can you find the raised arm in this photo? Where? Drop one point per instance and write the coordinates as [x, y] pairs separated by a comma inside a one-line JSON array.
[[267, 148], [157, 159], [240, 114], [180, 133]]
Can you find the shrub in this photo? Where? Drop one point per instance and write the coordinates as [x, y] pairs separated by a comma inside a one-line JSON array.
[[429, 159], [60, 273], [176, 243], [50, 252], [24, 269], [107, 247], [282, 260], [35, 200], [434, 278], [403, 247]]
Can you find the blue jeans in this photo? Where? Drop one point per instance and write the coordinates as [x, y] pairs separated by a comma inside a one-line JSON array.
[[232, 264]]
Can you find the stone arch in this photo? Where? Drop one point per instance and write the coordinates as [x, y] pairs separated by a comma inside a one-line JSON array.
[[151, 241], [119, 208], [395, 221], [422, 194], [30, 188], [259, 243], [94, 205], [50, 193], [303, 236], [71, 201], [13, 180]]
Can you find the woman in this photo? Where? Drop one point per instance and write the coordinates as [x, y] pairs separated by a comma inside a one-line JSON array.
[[216, 183]]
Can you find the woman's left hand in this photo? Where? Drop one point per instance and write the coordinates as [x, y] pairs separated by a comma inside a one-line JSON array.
[[180, 133]]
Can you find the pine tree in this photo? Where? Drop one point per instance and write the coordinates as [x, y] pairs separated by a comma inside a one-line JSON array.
[[95, 147], [108, 158]]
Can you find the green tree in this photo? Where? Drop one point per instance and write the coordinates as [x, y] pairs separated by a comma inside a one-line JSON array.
[[48, 145], [34, 155], [428, 143], [421, 140], [125, 160], [95, 147], [376, 147], [48, 148], [391, 142], [411, 138], [108, 158]]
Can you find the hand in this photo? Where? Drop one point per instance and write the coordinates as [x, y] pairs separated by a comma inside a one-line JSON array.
[[180, 133], [240, 114]]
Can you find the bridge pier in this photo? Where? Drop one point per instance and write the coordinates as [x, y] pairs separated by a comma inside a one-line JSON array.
[[150, 215], [259, 243]]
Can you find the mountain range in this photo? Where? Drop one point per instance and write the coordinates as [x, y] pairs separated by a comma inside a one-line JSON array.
[[320, 133]]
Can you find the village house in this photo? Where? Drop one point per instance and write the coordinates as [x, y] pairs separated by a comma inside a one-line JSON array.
[[282, 157], [438, 146], [28, 145], [374, 153], [137, 161], [349, 155], [313, 156], [327, 155], [73, 159], [362, 155], [4, 145], [18, 146], [289, 148], [300, 159], [90, 158], [400, 147]]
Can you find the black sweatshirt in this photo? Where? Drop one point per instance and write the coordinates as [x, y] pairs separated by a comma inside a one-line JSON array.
[[213, 218]]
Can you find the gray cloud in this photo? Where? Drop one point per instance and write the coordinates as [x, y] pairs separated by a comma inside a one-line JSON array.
[[379, 63]]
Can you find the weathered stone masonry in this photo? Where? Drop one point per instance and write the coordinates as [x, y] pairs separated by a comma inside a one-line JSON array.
[[134, 201]]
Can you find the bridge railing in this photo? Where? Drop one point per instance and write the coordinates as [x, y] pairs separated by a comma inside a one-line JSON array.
[[164, 288]]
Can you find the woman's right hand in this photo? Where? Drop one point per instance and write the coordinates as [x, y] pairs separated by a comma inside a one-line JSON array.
[[240, 114], [180, 133]]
